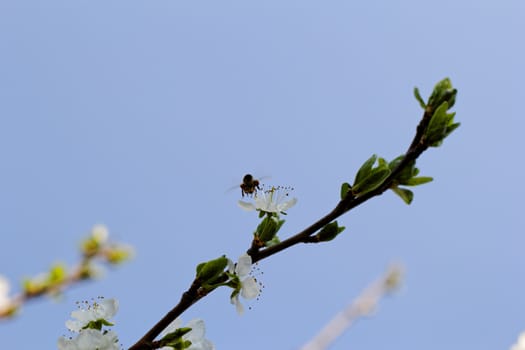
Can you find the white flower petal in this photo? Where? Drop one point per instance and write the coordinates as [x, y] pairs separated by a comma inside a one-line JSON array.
[[75, 325], [287, 205], [90, 339], [100, 232], [66, 344], [250, 288], [197, 331], [107, 308], [104, 309], [246, 205], [238, 305], [244, 265], [205, 344]]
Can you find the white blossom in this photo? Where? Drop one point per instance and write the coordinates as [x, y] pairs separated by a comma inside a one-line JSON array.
[[4, 295], [249, 287], [195, 336], [270, 201], [520, 344], [104, 309], [90, 339], [100, 233]]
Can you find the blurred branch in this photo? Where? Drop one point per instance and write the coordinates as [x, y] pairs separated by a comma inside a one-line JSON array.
[[362, 306], [96, 247]]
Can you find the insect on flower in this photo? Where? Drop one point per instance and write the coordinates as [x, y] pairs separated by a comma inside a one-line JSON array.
[[250, 185]]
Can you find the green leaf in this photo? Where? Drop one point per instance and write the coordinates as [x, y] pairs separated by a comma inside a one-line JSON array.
[[418, 97], [268, 228], [329, 232], [365, 169], [437, 127], [443, 92], [345, 188], [417, 181], [406, 195], [175, 335], [382, 163], [209, 270], [394, 163], [408, 172], [372, 181], [451, 127]]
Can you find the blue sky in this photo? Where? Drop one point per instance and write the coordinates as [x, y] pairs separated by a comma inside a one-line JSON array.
[[140, 115]]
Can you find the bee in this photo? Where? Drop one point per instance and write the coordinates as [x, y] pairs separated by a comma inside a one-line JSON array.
[[249, 185]]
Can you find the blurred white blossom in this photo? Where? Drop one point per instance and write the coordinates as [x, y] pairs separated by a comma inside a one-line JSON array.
[[5, 302], [520, 344], [100, 233]]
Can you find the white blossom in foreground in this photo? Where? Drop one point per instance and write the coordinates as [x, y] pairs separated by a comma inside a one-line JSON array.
[[520, 344], [103, 309], [88, 324], [270, 201], [195, 336], [5, 302], [90, 339], [249, 288]]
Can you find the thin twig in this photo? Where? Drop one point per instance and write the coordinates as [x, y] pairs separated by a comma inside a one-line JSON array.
[[346, 204]]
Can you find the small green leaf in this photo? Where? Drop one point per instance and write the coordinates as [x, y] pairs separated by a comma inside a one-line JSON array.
[[419, 98], [437, 127], [175, 335], [406, 195], [209, 270], [394, 163], [329, 232], [345, 188], [268, 228], [451, 127], [417, 181], [443, 92], [382, 163], [407, 172], [372, 181], [365, 169]]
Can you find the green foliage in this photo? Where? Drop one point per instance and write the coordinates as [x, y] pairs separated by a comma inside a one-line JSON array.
[[210, 270], [57, 274], [368, 178], [47, 282], [97, 324], [268, 228], [345, 188], [175, 340], [415, 181], [441, 124], [419, 98], [406, 195], [443, 92], [407, 177], [365, 169], [329, 232]]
